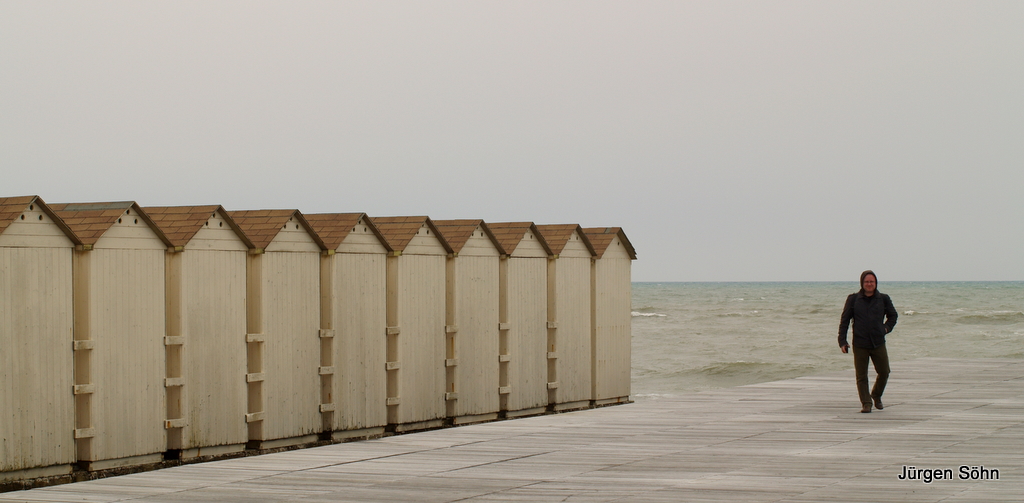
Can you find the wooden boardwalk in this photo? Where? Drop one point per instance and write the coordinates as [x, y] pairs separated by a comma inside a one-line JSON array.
[[796, 440]]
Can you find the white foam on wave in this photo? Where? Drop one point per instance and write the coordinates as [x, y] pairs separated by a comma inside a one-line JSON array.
[[635, 314]]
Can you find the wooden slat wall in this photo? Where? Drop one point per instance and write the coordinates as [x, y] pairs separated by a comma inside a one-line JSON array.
[[291, 326], [612, 336], [476, 342], [360, 322], [213, 353], [126, 316], [572, 296], [421, 344], [528, 334], [36, 404]]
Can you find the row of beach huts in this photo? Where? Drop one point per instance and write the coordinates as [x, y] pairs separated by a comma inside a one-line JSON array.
[[132, 335]]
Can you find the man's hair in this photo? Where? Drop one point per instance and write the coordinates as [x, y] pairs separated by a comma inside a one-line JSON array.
[[864, 275]]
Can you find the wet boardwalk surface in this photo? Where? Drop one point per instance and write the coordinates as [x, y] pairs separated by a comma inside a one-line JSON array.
[[796, 440]]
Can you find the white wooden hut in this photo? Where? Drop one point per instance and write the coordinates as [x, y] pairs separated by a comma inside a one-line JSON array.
[[119, 334], [206, 328], [354, 310], [569, 341], [37, 409], [416, 356], [472, 373], [523, 308], [283, 298], [610, 317]]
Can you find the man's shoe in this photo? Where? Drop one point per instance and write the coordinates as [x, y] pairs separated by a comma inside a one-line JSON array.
[[878, 403], [866, 408]]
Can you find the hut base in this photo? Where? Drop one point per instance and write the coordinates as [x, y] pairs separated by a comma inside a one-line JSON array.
[[287, 442], [567, 406], [106, 464], [35, 473], [479, 418], [612, 401], [419, 425], [218, 450], [360, 434], [536, 411]]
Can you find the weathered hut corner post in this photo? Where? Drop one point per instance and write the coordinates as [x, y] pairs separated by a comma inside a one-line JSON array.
[[174, 347], [504, 356], [327, 368], [254, 347]]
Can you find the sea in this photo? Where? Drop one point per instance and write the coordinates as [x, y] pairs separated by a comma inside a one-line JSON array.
[[691, 337]]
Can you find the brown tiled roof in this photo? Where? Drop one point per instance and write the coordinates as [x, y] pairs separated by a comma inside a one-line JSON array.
[[90, 220], [458, 232], [510, 234], [262, 226], [399, 231], [11, 209], [181, 223], [601, 237], [558, 235], [333, 228]]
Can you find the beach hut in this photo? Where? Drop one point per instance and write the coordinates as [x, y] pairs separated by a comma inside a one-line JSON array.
[[569, 345], [283, 334], [119, 334], [205, 332], [610, 316], [416, 330], [37, 407], [472, 363], [523, 311], [354, 311]]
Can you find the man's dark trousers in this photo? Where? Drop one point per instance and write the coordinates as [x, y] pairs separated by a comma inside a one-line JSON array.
[[880, 358]]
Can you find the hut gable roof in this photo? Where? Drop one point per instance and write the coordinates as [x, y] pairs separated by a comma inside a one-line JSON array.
[[181, 223], [11, 208], [89, 221], [510, 234], [458, 232], [333, 228], [399, 231], [602, 237], [558, 235], [262, 226]]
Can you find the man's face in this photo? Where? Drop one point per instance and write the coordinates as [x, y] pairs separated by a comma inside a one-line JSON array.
[[869, 284]]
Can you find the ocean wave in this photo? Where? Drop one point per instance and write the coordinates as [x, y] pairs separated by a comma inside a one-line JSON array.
[[736, 315], [992, 318], [647, 315]]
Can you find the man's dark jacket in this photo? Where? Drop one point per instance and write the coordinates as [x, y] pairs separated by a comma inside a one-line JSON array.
[[873, 317]]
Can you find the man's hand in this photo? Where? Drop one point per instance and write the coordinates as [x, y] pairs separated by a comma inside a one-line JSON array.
[[846, 348]]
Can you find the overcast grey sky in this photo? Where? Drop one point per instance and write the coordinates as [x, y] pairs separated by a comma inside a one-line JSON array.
[[733, 141]]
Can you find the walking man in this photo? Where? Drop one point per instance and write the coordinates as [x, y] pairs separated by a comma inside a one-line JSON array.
[[873, 316]]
